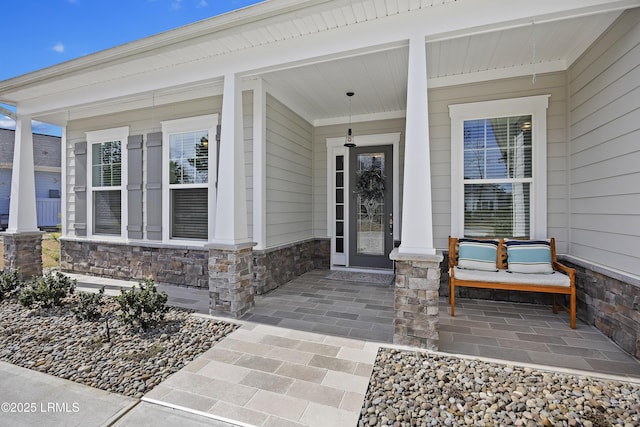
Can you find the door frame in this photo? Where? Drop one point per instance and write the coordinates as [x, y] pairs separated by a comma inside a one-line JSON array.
[[335, 147]]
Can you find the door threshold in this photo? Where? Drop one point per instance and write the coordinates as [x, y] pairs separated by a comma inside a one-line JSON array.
[[362, 269]]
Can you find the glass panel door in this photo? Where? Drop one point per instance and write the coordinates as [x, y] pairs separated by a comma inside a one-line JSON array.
[[371, 187]]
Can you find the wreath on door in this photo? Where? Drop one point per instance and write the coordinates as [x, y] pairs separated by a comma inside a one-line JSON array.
[[370, 187], [370, 184]]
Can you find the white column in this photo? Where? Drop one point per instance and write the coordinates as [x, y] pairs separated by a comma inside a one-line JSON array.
[[22, 210], [417, 216], [231, 205], [259, 164], [63, 182]]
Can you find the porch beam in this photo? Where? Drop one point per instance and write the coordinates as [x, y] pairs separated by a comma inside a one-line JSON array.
[[231, 204], [417, 216]]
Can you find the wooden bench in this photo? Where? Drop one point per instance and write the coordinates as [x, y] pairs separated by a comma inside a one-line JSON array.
[[562, 283]]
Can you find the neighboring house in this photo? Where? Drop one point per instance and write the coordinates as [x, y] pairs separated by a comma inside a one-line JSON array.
[[213, 155], [46, 157]]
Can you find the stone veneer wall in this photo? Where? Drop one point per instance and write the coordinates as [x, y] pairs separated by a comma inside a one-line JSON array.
[[276, 266], [187, 266], [416, 320], [166, 264], [611, 304], [322, 253], [231, 289], [23, 252]]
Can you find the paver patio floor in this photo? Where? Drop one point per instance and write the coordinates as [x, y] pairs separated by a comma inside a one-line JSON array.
[[304, 354], [516, 332]]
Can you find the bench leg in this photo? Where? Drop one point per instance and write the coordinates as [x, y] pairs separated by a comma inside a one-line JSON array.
[[555, 304], [452, 289], [572, 308]]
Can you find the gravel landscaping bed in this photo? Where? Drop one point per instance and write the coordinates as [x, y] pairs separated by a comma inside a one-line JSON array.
[[131, 363], [422, 389]]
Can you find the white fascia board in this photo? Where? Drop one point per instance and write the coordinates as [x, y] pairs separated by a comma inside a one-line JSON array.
[[133, 102], [461, 17], [8, 113], [230, 20]]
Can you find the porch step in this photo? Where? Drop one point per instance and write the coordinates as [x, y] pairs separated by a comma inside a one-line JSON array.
[[179, 296], [92, 284]]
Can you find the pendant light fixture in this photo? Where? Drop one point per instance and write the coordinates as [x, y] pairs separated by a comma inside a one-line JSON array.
[[349, 140]]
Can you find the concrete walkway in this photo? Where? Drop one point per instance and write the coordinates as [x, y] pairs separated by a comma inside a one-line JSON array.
[[264, 375], [31, 398]]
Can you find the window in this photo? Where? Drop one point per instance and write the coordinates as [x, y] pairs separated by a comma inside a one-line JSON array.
[[498, 168], [340, 203], [188, 179], [190, 166], [106, 177]]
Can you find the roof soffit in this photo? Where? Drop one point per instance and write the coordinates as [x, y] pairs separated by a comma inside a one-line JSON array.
[[287, 26]]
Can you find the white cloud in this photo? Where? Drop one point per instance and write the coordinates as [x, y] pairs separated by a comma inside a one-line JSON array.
[[58, 47], [203, 3], [176, 5], [7, 123]]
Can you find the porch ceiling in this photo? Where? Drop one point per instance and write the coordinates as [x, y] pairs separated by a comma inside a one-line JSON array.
[[285, 42], [317, 91]]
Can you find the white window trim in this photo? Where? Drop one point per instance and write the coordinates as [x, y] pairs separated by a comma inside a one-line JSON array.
[[536, 106], [335, 147], [95, 137], [207, 123]]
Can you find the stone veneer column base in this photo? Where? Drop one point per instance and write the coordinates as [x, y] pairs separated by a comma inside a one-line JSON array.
[[231, 291], [23, 252], [416, 299]]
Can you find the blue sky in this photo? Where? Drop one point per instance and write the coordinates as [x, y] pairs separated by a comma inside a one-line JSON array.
[[42, 33]]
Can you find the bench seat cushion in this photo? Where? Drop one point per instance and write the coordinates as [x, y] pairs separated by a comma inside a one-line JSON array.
[[502, 276]]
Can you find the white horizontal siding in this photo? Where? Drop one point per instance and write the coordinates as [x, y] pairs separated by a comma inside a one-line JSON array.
[[604, 88], [289, 176], [320, 162], [144, 121], [553, 84], [440, 140]]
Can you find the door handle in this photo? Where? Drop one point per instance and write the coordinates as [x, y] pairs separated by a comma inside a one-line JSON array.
[[391, 224]]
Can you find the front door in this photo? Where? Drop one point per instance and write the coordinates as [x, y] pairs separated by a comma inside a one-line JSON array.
[[371, 207]]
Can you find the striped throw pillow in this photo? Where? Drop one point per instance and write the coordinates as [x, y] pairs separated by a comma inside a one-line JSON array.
[[529, 256], [477, 254]]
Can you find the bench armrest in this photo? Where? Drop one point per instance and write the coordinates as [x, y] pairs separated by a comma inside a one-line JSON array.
[[453, 252], [571, 272]]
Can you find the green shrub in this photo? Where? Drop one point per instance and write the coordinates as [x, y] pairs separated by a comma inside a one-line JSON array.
[[9, 284], [46, 291], [89, 305], [142, 308]]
